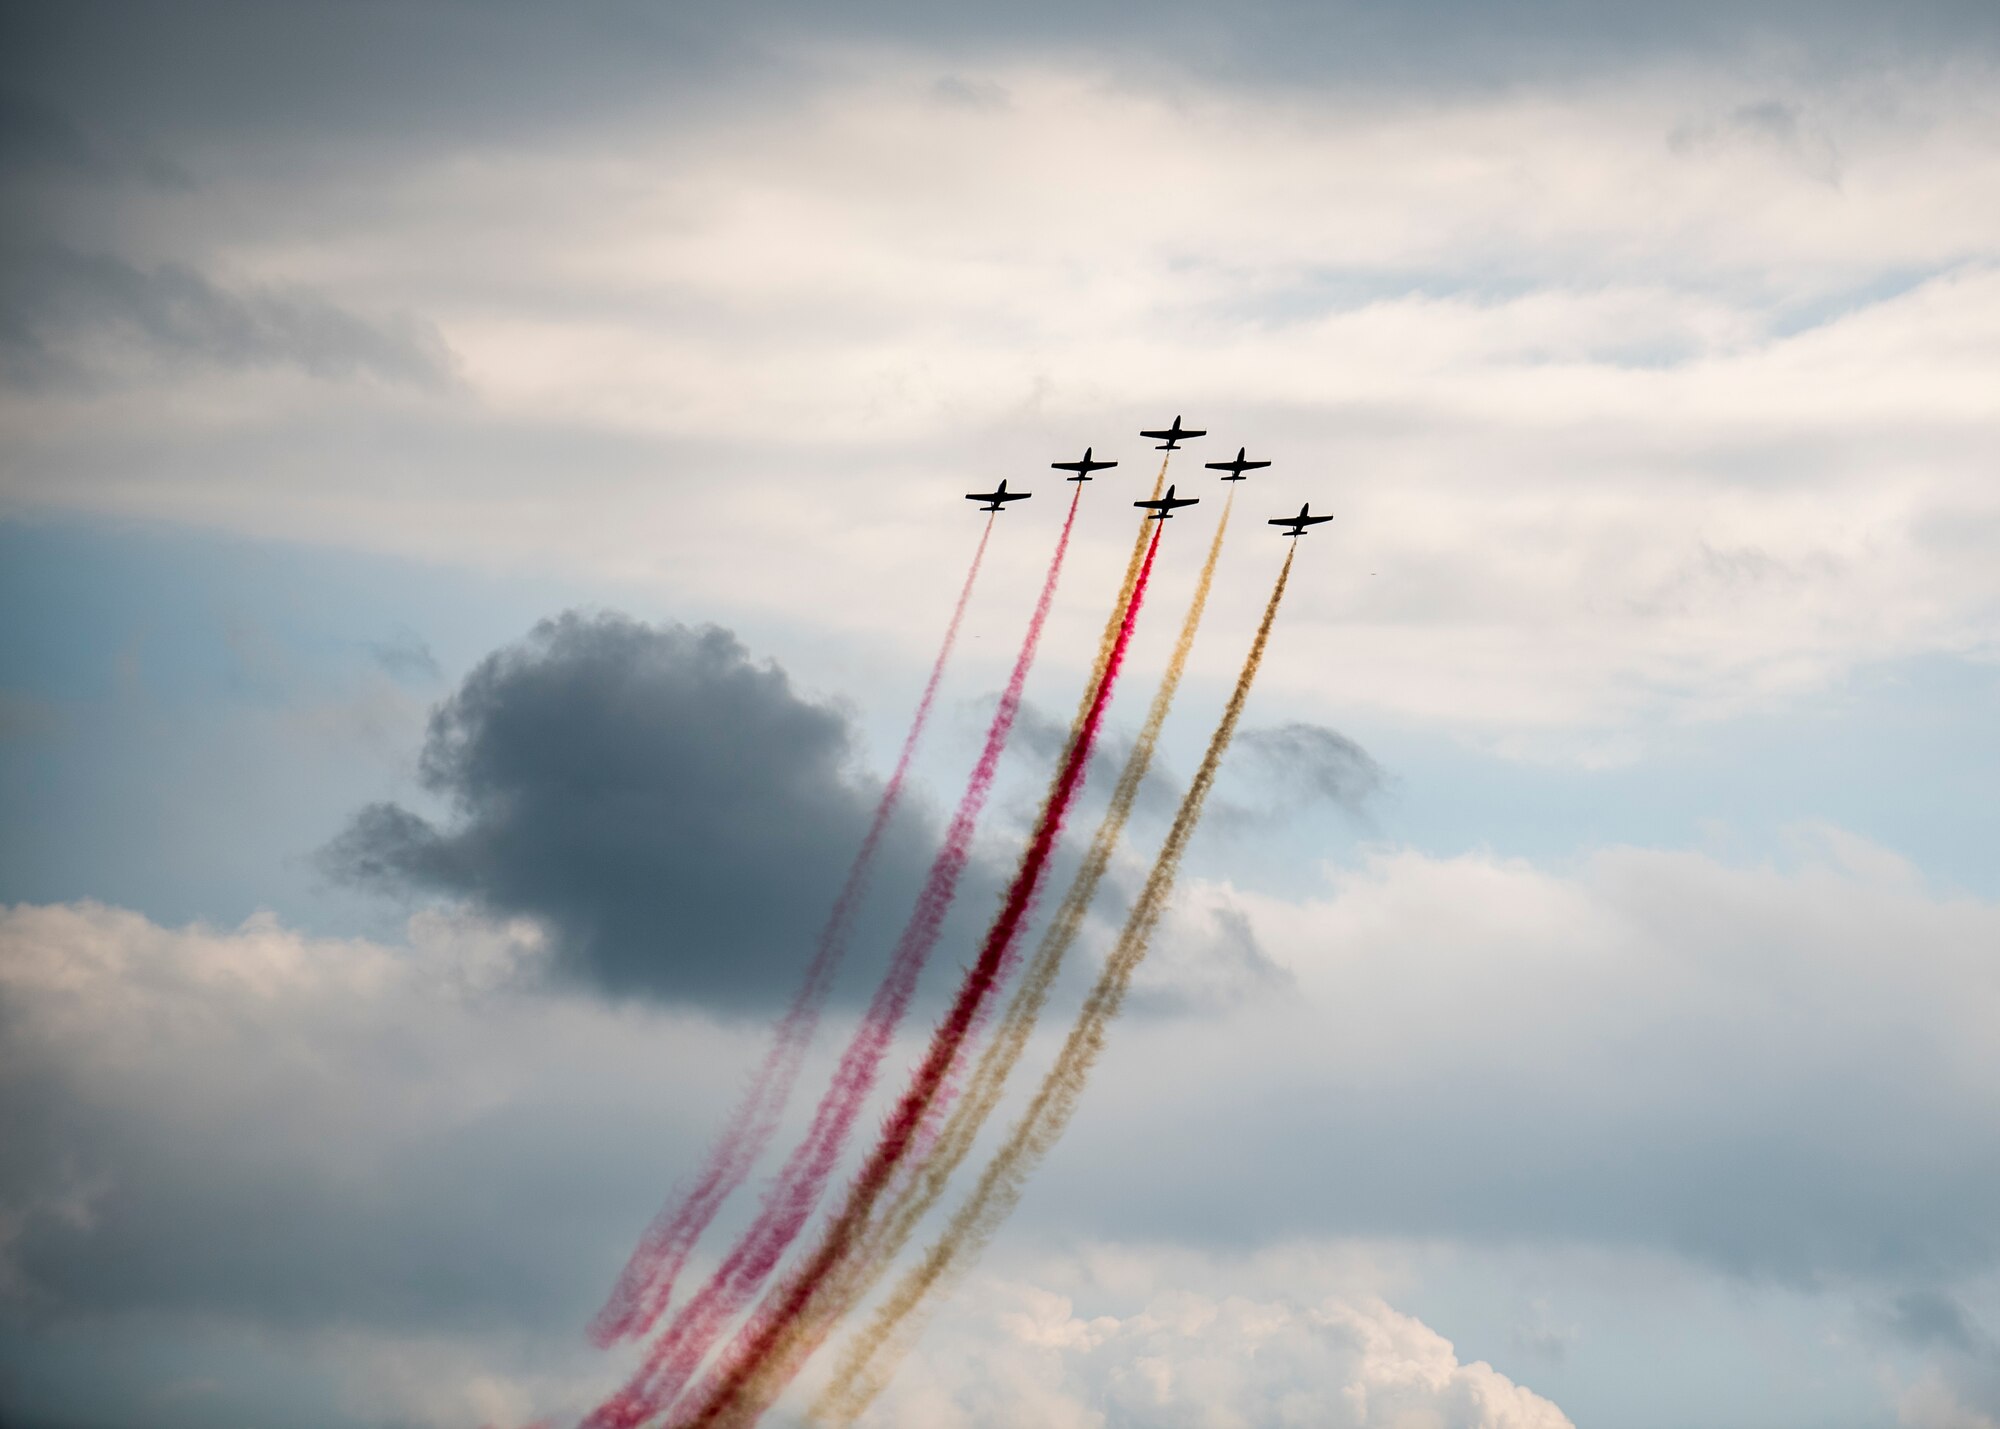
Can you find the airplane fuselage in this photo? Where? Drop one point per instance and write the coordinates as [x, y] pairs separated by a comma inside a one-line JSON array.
[[997, 499], [1235, 468], [1163, 508], [1299, 522], [1083, 467], [1170, 438]]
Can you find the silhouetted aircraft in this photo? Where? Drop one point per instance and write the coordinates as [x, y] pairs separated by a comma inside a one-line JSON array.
[[1170, 438], [1164, 508], [1082, 468], [1299, 522], [1235, 468], [997, 499]]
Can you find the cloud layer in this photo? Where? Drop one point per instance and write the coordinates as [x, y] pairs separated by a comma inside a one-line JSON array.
[[1661, 392], [1655, 1057]]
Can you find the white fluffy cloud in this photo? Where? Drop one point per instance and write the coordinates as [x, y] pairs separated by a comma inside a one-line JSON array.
[[1020, 1354]]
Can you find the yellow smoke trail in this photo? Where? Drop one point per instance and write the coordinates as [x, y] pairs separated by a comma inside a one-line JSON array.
[[892, 1331], [859, 1269], [1117, 617]]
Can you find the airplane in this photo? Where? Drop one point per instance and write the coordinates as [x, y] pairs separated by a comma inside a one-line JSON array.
[[1082, 468], [1234, 468], [1164, 508], [998, 498], [1299, 522], [1170, 438]]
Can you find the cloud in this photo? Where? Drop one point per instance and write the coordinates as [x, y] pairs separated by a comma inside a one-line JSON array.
[[1299, 767], [321, 1168], [1932, 1317], [1187, 1360], [1660, 1056], [429, 72], [1783, 1073], [1615, 432], [59, 308], [394, 1178], [1959, 1386], [1207, 962], [33, 136], [223, 1121], [673, 811], [406, 657], [1043, 737], [1779, 123]]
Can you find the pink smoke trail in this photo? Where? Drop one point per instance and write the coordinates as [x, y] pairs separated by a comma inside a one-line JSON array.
[[646, 1286], [751, 1356], [673, 1358]]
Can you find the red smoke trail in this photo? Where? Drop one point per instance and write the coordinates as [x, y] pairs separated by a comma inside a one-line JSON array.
[[647, 1284], [673, 1358], [747, 1357]]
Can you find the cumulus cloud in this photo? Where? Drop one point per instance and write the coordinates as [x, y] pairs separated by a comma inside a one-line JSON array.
[[1187, 1360], [672, 810]]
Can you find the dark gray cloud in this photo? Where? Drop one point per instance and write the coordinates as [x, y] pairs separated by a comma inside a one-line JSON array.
[[1043, 738], [1294, 769], [38, 141], [51, 297], [1270, 773], [35, 137], [411, 74], [1312, 764], [672, 810]]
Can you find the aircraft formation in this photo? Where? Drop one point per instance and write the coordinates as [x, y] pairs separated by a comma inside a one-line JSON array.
[[1163, 507], [813, 1256]]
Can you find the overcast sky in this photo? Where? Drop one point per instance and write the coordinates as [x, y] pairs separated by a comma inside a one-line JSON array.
[[481, 490]]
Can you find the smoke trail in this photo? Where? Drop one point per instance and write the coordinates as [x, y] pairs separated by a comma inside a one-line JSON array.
[[647, 1284], [1114, 623], [789, 1201], [889, 1335], [925, 1180], [744, 1383]]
